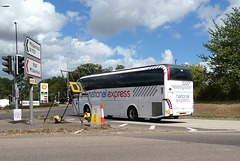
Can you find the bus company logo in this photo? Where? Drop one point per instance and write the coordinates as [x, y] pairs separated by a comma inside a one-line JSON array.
[[183, 98], [109, 94], [116, 94], [97, 94]]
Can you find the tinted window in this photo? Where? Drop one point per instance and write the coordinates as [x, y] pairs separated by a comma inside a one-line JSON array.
[[130, 79], [180, 73]]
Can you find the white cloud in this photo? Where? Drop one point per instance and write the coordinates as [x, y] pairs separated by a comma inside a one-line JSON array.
[[176, 35], [128, 59], [35, 18], [40, 20], [207, 13], [72, 14], [58, 53], [127, 15], [167, 57], [75, 17], [32, 16]]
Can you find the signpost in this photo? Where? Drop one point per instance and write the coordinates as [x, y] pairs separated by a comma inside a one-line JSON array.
[[33, 68]]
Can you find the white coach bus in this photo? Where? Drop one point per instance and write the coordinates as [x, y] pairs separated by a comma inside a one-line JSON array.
[[151, 92]]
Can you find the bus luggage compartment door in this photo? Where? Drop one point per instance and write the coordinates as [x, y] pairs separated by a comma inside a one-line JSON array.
[[157, 109]]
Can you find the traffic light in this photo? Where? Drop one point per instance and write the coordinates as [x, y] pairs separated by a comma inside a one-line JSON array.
[[7, 64], [19, 65]]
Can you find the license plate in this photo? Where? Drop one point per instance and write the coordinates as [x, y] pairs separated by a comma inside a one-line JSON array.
[[182, 113]]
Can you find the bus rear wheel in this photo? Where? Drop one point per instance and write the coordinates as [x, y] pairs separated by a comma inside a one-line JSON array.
[[132, 113], [86, 109]]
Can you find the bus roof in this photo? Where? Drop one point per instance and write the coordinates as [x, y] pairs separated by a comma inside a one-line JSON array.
[[136, 69]]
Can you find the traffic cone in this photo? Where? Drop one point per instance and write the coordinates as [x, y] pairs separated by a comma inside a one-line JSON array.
[[102, 115]]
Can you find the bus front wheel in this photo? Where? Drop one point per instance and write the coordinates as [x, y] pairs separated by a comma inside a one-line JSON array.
[[132, 113]]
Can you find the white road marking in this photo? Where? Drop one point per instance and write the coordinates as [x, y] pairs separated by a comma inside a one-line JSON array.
[[210, 131], [122, 125], [70, 119], [79, 131], [219, 131], [191, 129], [152, 127]]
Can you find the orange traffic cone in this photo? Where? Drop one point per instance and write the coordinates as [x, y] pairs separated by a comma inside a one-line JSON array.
[[102, 115]]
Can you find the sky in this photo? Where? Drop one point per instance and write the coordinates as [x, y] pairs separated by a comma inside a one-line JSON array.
[[132, 33]]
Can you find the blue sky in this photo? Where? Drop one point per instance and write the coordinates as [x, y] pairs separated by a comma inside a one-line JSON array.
[[110, 32]]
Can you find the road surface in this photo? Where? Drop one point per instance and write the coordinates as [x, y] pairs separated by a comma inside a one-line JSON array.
[[122, 147], [170, 139]]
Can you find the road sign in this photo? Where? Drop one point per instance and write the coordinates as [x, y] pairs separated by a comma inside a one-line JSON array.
[[76, 87], [33, 48], [44, 92], [26, 103], [17, 114], [32, 81], [33, 68]]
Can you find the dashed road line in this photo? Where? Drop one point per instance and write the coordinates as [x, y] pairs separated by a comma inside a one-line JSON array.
[[122, 125], [152, 127]]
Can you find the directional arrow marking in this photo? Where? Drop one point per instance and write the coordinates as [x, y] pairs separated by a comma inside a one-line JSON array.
[[26, 65]]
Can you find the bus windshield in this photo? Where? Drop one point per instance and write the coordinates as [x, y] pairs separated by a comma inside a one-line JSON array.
[[180, 73]]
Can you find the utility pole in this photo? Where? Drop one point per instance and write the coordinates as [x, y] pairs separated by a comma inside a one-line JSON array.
[[15, 70]]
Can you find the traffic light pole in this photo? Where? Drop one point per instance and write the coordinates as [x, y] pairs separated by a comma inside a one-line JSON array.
[[15, 69], [15, 92]]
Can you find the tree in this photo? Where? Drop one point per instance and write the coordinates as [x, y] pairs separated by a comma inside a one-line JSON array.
[[199, 74], [224, 60], [119, 67], [5, 87], [109, 69], [88, 69], [24, 87]]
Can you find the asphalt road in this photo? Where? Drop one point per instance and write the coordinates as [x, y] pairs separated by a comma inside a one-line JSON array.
[[170, 139], [120, 147]]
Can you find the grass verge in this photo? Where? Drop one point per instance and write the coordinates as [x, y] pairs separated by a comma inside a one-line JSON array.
[[215, 110]]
